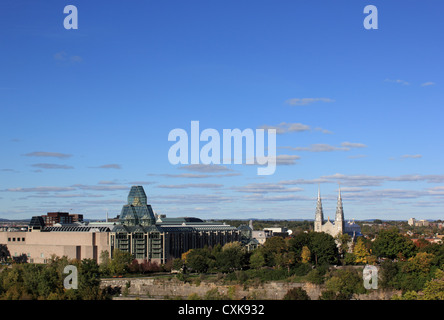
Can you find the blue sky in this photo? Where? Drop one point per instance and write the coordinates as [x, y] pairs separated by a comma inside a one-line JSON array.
[[86, 113]]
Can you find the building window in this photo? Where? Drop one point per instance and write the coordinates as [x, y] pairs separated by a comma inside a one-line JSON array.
[[23, 239]]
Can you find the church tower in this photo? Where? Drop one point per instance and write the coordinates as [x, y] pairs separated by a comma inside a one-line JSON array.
[[319, 216], [339, 218]]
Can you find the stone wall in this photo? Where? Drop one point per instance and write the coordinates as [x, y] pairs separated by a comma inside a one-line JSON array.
[[162, 288]]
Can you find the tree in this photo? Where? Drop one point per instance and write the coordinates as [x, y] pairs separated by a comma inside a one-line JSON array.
[[89, 281], [434, 289], [344, 239], [257, 259], [388, 274], [305, 254], [178, 264], [345, 283], [153, 266], [414, 273], [323, 248], [120, 261], [361, 252], [299, 241], [272, 248], [104, 263], [231, 257], [134, 266], [197, 262], [296, 294], [419, 264], [422, 243], [389, 243]]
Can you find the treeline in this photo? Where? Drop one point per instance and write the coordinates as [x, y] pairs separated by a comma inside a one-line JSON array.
[[25, 281], [416, 270], [308, 256]]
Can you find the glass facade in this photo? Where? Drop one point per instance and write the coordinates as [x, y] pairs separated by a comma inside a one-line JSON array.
[[140, 234], [137, 211]]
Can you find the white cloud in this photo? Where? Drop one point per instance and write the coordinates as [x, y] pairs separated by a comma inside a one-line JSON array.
[[101, 187], [48, 154], [319, 147], [265, 188], [323, 147], [62, 56], [285, 159], [206, 168], [306, 101], [323, 130], [285, 127], [41, 189], [358, 156], [411, 156], [51, 166], [426, 84], [108, 166], [191, 185], [353, 145], [399, 81], [194, 175]]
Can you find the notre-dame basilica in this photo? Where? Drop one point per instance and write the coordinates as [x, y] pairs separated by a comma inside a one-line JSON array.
[[338, 226]]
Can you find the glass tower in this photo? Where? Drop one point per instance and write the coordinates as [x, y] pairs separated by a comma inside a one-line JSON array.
[[137, 211]]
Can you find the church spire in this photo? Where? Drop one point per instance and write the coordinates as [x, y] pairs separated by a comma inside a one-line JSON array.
[[339, 219], [319, 212], [319, 216]]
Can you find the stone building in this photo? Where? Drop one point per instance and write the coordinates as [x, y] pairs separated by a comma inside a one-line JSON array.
[[338, 226]]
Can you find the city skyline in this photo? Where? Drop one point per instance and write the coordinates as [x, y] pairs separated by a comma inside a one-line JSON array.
[[86, 113]]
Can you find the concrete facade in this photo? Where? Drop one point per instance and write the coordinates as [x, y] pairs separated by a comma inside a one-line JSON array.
[[38, 246]]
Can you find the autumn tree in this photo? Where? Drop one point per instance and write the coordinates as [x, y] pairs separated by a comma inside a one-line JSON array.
[[434, 289], [305, 254], [361, 252]]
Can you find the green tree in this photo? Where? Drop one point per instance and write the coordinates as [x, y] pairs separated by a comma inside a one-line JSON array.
[[89, 280], [323, 248], [388, 273], [344, 240], [120, 262], [296, 294], [273, 247], [197, 260], [434, 289], [345, 283], [257, 259], [390, 243], [178, 264], [298, 242], [231, 257], [105, 262]]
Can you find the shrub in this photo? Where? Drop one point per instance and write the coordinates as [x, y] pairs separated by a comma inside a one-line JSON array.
[[296, 294]]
